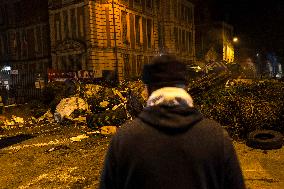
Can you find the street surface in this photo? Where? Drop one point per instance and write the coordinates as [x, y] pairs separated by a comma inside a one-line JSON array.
[[48, 158]]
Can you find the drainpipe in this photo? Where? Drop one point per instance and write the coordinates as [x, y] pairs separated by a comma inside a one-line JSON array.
[[115, 44]]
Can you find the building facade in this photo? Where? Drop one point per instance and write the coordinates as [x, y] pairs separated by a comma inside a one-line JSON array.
[[118, 36], [176, 29], [102, 36], [24, 46], [214, 42], [24, 39]]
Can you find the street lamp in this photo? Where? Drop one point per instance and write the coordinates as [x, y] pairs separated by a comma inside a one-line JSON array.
[[235, 39]]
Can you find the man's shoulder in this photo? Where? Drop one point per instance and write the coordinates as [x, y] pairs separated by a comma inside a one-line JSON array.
[[211, 126], [209, 122], [131, 123], [131, 126]]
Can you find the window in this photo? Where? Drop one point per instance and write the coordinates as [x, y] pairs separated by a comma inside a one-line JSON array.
[[132, 28], [73, 24], [126, 66], [190, 42], [144, 32], [145, 60], [24, 45], [151, 58], [160, 35], [31, 42], [65, 24], [137, 29], [1, 46], [175, 9], [187, 43], [139, 64], [189, 13], [179, 39], [158, 4], [80, 21], [183, 39], [57, 30], [124, 27], [182, 12], [2, 15], [148, 3], [149, 33], [134, 66], [63, 63], [39, 39], [176, 37], [137, 2], [186, 14], [36, 40]]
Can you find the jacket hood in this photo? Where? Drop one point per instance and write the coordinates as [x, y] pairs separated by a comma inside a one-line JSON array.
[[170, 119]]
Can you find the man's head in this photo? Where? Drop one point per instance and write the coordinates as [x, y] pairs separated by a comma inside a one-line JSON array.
[[164, 71]]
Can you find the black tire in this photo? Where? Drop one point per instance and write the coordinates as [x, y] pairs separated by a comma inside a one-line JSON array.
[[265, 139]]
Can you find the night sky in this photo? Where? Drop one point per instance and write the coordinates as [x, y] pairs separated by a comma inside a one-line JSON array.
[[260, 21]]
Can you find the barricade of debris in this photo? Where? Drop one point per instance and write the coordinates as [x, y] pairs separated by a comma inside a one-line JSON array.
[[243, 106], [98, 107], [239, 105]]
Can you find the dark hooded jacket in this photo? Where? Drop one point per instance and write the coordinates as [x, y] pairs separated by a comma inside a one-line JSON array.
[[171, 148]]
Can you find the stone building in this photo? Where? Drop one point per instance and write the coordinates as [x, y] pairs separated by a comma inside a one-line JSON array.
[[24, 45], [176, 29], [118, 36], [214, 42], [24, 39]]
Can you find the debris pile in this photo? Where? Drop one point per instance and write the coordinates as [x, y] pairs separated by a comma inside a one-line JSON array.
[[70, 108], [241, 106], [245, 106], [99, 107]]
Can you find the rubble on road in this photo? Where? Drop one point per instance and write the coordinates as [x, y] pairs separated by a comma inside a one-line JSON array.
[[79, 138], [93, 106], [108, 130], [91, 90], [68, 105], [18, 120], [245, 106], [48, 117]]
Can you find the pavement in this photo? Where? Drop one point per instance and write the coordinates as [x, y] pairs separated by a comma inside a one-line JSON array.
[[262, 169], [57, 158]]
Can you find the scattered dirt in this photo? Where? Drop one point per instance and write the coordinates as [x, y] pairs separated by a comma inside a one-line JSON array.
[[53, 161], [262, 169], [50, 159]]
